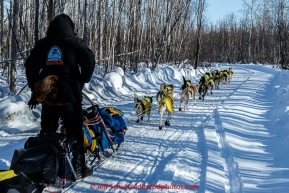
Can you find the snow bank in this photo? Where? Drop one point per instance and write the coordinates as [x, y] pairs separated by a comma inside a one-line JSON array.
[[15, 107], [104, 90]]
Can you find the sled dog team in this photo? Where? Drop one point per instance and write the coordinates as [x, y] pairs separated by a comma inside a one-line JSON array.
[[165, 97]]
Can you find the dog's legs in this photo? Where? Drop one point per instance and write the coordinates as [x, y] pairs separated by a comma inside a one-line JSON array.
[[139, 120], [186, 104], [203, 96], [139, 110], [194, 98], [161, 116], [161, 112], [149, 116], [180, 108], [167, 123]]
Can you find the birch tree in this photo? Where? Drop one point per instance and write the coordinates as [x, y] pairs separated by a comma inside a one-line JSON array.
[[1, 28], [200, 11], [36, 31], [14, 41], [100, 33]]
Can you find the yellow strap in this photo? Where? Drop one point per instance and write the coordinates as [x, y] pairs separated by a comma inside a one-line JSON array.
[[112, 111], [7, 174]]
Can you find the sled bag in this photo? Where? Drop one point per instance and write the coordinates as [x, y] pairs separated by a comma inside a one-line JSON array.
[[40, 163], [59, 141]]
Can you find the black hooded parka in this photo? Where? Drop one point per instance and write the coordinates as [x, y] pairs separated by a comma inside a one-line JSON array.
[[63, 54]]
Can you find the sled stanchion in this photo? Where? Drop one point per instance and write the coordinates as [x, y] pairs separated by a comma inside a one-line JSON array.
[[70, 164], [91, 102]]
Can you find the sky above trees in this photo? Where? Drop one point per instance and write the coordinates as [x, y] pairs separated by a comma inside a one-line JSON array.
[[218, 9]]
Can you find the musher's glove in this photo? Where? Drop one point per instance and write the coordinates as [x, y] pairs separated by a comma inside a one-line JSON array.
[[32, 102]]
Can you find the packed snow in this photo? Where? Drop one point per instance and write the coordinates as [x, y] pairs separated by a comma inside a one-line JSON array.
[[236, 140]]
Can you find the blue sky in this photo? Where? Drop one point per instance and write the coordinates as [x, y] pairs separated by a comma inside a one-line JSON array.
[[217, 9]]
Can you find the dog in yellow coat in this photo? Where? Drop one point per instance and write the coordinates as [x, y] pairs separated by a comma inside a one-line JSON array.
[[166, 104], [143, 107]]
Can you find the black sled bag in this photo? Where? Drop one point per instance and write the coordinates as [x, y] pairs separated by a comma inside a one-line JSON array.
[[39, 163], [19, 183]]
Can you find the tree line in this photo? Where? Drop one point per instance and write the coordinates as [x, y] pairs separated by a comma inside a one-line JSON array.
[[128, 32]]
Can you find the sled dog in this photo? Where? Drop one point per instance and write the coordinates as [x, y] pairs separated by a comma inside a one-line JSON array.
[[224, 76], [230, 72], [217, 79], [166, 104], [187, 93], [186, 83], [203, 89], [211, 84], [143, 107]]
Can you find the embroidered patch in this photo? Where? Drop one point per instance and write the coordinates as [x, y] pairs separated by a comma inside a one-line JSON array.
[[54, 56]]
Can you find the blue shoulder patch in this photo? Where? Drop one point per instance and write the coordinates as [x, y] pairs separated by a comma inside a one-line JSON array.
[[54, 56]]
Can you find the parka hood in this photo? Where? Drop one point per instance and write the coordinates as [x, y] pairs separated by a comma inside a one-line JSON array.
[[61, 25]]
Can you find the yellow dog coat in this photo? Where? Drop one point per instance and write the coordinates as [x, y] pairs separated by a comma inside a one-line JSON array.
[[207, 77], [147, 105], [169, 101], [224, 73], [211, 81]]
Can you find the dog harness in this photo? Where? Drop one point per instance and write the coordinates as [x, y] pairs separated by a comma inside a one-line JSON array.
[[169, 101]]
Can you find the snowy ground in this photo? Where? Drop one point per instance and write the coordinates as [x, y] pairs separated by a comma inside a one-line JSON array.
[[237, 140]]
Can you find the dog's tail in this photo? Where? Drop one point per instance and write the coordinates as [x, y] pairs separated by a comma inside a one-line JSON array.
[[184, 80], [163, 86], [135, 98]]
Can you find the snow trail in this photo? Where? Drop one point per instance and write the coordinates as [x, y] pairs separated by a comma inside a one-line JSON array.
[[231, 167]]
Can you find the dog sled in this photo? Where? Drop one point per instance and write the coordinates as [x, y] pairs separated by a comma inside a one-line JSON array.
[[45, 162]]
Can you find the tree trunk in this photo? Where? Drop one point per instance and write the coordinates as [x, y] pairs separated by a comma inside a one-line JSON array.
[[100, 33], [1, 28], [50, 14], [36, 31], [14, 38], [84, 21], [199, 28]]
